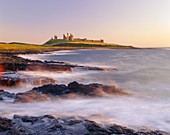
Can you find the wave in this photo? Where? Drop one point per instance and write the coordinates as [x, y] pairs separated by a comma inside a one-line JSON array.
[[121, 110]]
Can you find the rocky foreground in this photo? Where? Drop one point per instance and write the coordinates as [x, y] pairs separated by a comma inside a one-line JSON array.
[[49, 125], [52, 92], [12, 63]]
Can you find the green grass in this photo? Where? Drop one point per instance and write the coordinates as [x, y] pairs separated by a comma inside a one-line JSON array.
[[84, 44], [57, 42], [25, 48], [11, 47]]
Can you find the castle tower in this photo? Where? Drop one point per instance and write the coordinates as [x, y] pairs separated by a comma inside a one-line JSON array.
[[71, 37], [55, 37], [101, 40], [67, 36], [64, 37]]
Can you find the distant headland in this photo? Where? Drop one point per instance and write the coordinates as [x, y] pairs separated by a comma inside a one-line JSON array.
[[70, 37], [68, 41]]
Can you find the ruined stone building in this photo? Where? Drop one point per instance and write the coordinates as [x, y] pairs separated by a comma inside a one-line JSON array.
[[70, 37]]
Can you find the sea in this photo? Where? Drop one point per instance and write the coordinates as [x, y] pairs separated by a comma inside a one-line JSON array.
[[144, 73]]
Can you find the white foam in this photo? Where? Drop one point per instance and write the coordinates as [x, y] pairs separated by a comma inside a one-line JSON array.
[[129, 111]]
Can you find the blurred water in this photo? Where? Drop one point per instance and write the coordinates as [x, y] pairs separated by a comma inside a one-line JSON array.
[[143, 70]]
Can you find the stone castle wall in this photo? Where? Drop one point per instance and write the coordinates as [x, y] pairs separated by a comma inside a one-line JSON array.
[[70, 37]]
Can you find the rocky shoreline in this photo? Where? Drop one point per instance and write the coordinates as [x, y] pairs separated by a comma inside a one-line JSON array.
[[53, 92], [13, 63], [49, 125]]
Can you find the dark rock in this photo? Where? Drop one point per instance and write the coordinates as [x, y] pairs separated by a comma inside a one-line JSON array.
[[34, 67], [150, 132], [49, 125], [14, 66], [53, 89], [80, 89], [47, 67], [42, 81], [95, 128], [73, 89], [5, 124], [10, 62], [4, 95], [30, 96], [10, 82], [116, 129], [95, 89]]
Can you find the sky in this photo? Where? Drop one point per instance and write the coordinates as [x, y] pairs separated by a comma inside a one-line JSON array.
[[141, 23]]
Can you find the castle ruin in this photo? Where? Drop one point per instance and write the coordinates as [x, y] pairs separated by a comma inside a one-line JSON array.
[[70, 37]]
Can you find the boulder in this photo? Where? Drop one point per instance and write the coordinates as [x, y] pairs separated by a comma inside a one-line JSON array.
[[55, 90], [95, 89], [73, 90], [80, 89]]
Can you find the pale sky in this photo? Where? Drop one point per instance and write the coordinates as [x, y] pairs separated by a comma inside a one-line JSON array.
[[142, 23]]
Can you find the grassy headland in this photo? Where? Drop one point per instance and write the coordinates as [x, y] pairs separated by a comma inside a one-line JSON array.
[[51, 45], [84, 44], [26, 48]]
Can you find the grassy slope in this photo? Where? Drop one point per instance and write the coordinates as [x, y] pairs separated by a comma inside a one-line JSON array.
[[64, 43], [19, 47], [25, 48]]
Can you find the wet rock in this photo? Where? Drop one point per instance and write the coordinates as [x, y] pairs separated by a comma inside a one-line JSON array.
[[73, 90], [56, 90], [10, 82], [95, 89], [79, 66], [150, 132], [47, 67], [95, 128], [6, 96], [116, 129], [30, 96], [14, 66], [49, 125], [11, 62], [43, 81], [96, 68], [34, 67], [5, 126]]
